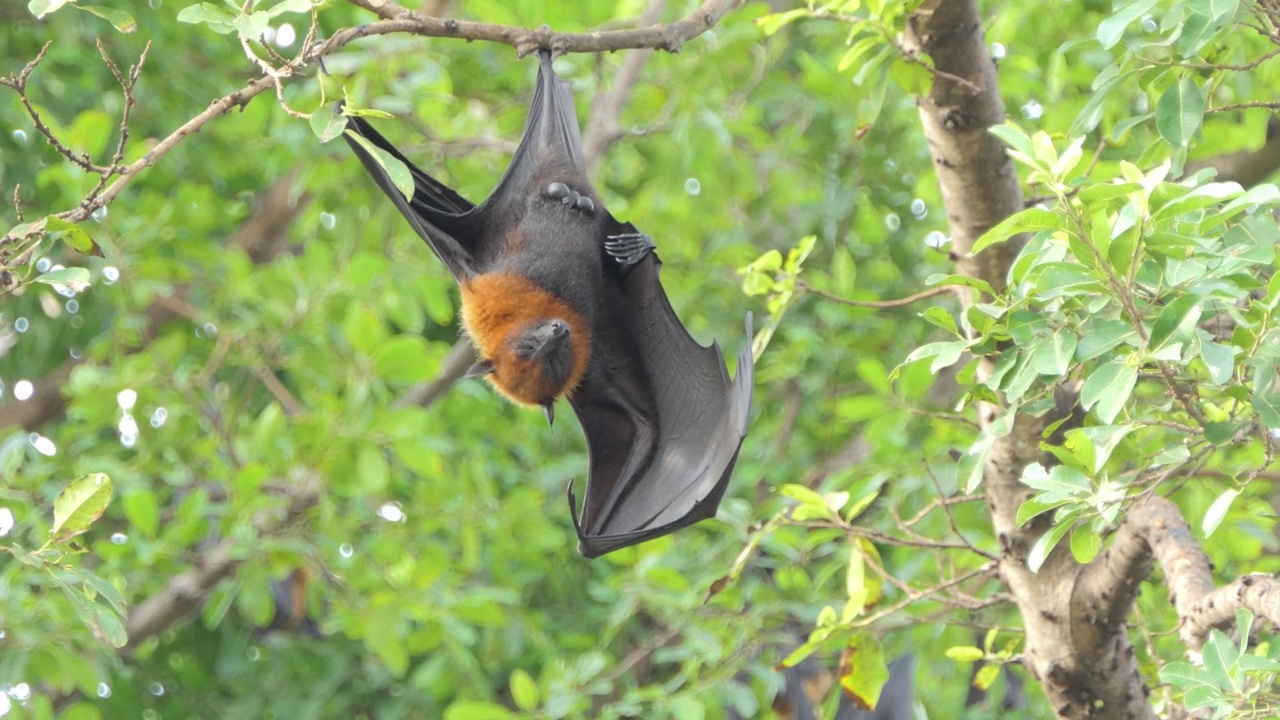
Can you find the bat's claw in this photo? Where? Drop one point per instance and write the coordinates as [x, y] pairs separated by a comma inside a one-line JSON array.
[[549, 411], [629, 248]]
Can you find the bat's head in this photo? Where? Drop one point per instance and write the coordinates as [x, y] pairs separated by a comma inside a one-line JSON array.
[[546, 347], [538, 362], [534, 345]]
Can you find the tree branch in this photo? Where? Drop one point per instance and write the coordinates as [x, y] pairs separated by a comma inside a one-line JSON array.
[[186, 592], [980, 188], [1154, 529], [670, 37]]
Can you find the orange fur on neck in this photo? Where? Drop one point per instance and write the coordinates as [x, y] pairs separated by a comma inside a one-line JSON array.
[[496, 308]]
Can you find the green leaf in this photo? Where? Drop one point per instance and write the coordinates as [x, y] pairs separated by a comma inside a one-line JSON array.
[[74, 278], [1028, 220], [1220, 656], [774, 22], [1213, 9], [1085, 544], [1182, 312], [863, 671], [1112, 28], [1267, 406], [327, 124], [815, 641], [104, 589], [1109, 388], [73, 235], [812, 504], [1184, 675], [79, 505], [1219, 359], [1053, 356], [965, 653], [524, 691], [400, 175], [941, 318], [1179, 113], [40, 8], [1218, 510], [253, 25], [1103, 86], [1047, 542], [122, 20], [218, 20], [1102, 336], [1222, 432], [1197, 32], [1060, 479], [972, 464], [1199, 198], [985, 676], [289, 6], [1102, 440], [944, 354], [856, 51], [962, 281], [1036, 507], [372, 469], [1014, 137]]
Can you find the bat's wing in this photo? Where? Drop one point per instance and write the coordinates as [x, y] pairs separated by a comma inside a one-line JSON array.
[[661, 459], [551, 143], [442, 217]]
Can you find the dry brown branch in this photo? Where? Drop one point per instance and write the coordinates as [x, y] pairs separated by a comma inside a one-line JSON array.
[[452, 369], [670, 37]]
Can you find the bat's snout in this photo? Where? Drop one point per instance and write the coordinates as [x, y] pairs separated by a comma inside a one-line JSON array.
[[555, 335]]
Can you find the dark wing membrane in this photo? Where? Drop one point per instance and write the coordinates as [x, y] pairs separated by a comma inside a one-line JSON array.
[[439, 215], [551, 138], [644, 484]]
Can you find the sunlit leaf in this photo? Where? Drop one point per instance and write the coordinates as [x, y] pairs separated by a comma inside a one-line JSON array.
[[1179, 112], [1218, 510], [79, 505], [863, 671], [122, 20]]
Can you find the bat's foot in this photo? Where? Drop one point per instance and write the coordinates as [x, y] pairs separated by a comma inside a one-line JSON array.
[[570, 197], [629, 248]]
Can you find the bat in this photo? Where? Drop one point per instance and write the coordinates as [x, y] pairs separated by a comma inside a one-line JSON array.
[[560, 299]]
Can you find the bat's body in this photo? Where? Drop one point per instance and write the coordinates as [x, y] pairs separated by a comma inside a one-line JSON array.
[[562, 300]]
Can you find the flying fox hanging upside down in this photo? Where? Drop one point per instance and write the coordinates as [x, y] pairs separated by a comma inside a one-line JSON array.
[[562, 300]]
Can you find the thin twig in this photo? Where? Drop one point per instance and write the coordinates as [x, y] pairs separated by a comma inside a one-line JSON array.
[[900, 302]]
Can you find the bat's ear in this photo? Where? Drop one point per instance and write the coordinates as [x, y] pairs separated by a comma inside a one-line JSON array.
[[484, 367], [549, 412]]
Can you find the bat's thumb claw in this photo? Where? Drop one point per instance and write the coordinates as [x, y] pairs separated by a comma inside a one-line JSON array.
[[549, 411]]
